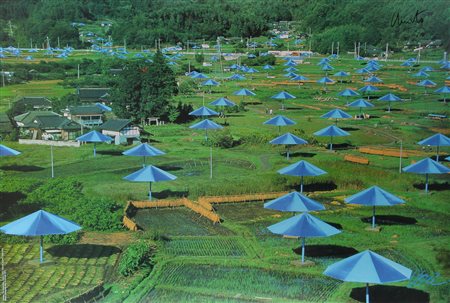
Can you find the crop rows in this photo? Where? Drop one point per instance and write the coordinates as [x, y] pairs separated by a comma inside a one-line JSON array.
[[205, 246], [248, 281]]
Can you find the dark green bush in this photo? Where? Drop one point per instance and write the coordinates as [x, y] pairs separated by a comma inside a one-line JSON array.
[[136, 256], [71, 238]]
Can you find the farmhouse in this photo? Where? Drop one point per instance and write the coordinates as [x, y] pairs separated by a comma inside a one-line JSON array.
[[34, 103], [46, 125], [122, 130], [93, 94], [86, 115]]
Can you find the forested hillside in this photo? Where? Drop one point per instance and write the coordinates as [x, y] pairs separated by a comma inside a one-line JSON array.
[[140, 22]]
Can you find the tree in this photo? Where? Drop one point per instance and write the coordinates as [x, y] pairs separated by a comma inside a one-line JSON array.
[[144, 89]]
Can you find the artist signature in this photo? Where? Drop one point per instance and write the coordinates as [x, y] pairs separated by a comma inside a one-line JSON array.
[[398, 20]]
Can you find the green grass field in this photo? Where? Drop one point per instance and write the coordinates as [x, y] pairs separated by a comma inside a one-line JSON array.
[[240, 260]]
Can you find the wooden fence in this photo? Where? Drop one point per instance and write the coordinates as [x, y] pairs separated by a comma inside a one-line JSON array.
[[356, 159], [390, 152]]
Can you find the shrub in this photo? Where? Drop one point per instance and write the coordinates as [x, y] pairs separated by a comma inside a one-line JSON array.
[[68, 239], [222, 139], [136, 256]]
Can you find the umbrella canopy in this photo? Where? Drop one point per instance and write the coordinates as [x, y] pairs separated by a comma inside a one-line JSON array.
[[368, 267], [236, 77], [206, 124], [327, 67], [368, 89], [374, 196], [332, 131], [290, 75], [199, 76], [443, 90], [203, 111], [374, 79], [283, 95], [427, 69], [426, 83], [150, 174], [336, 114], [251, 70], [268, 67], [40, 223], [95, 137], [299, 78], [301, 169], [210, 82], [291, 69], [341, 74], [348, 93], [143, 150], [436, 140], [294, 202], [279, 121], [290, 63], [288, 139], [421, 74], [222, 102], [304, 226], [244, 92], [6, 151], [407, 63], [425, 167], [389, 98], [325, 80], [360, 103]]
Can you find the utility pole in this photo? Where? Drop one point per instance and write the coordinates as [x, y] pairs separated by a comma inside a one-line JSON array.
[[387, 51], [332, 48], [51, 159], [48, 42], [401, 153], [124, 44], [58, 43], [355, 51], [337, 49], [3, 78]]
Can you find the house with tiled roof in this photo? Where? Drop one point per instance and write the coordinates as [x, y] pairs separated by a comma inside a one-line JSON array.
[[34, 103], [46, 125], [122, 130], [93, 94], [86, 115]]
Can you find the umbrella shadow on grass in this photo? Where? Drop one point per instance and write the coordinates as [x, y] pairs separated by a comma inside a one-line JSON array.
[[333, 251], [168, 167], [433, 186], [24, 168], [170, 193], [300, 154], [110, 152], [350, 129], [83, 251], [325, 186], [342, 146], [390, 220], [335, 225], [387, 294]]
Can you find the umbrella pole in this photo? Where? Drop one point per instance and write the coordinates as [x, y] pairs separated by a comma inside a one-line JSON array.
[[301, 184], [287, 154], [389, 107], [149, 191], [41, 249], [206, 134], [303, 250], [373, 218], [210, 162], [145, 164], [437, 153], [94, 149], [331, 142], [426, 183], [367, 292]]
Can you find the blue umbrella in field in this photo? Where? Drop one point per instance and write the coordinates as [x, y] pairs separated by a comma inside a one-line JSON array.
[[244, 92], [199, 76], [234, 66], [407, 63], [251, 70], [294, 202], [301, 169], [7, 151], [323, 61], [348, 93], [303, 226], [360, 103], [336, 114], [203, 112], [206, 124], [437, 140], [443, 90], [368, 267], [150, 174], [210, 82], [390, 98], [425, 167], [290, 75], [95, 137], [193, 73], [331, 131], [288, 139], [361, 71], [268, 67], [421, 74], [291, 69], [427, 69], [290, 63], [283, 96], [143, 150], [326, 68], [325, 81], [341, 75], [236, 77], [426, 83], [299, 78], [374, 196], [368, 89], [223, 102], [279, 121], [374, 79], [446, 65], [40, 223]]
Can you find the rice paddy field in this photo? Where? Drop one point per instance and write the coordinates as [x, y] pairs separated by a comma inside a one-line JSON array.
[[239, 260]]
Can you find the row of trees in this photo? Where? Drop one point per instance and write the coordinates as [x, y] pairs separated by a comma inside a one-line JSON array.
[[140, 22]]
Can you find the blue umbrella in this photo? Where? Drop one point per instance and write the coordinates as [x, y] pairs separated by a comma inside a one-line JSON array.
[[210, 82], [291, 69], [236, 77], [193, 73], [95, 137], [443, 90], [244, 92], [143, 150], [299, 78], [341, 74], [336, 114], [251, 70], [361, 71], [389, 98], [427, 69], [223, 102], [40, 223], [426, 83], [283, 96], [374, 196], [368, 89], [268, 67], [290, 63], [279, 121], [290, 75], [374, 79], [323, 61], [6, 151], [288, 139], [421, 74], [436, 140], [327, 67], [360, 103], [303, 226], [425, 167], [206, 124], [407, 63], [446, 65], [332, 131], [301, 169], [324, 81], [368, 267], [203, 112], [199, 76], [234, 66], [348, 93], [150, 174], [294, 202]]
